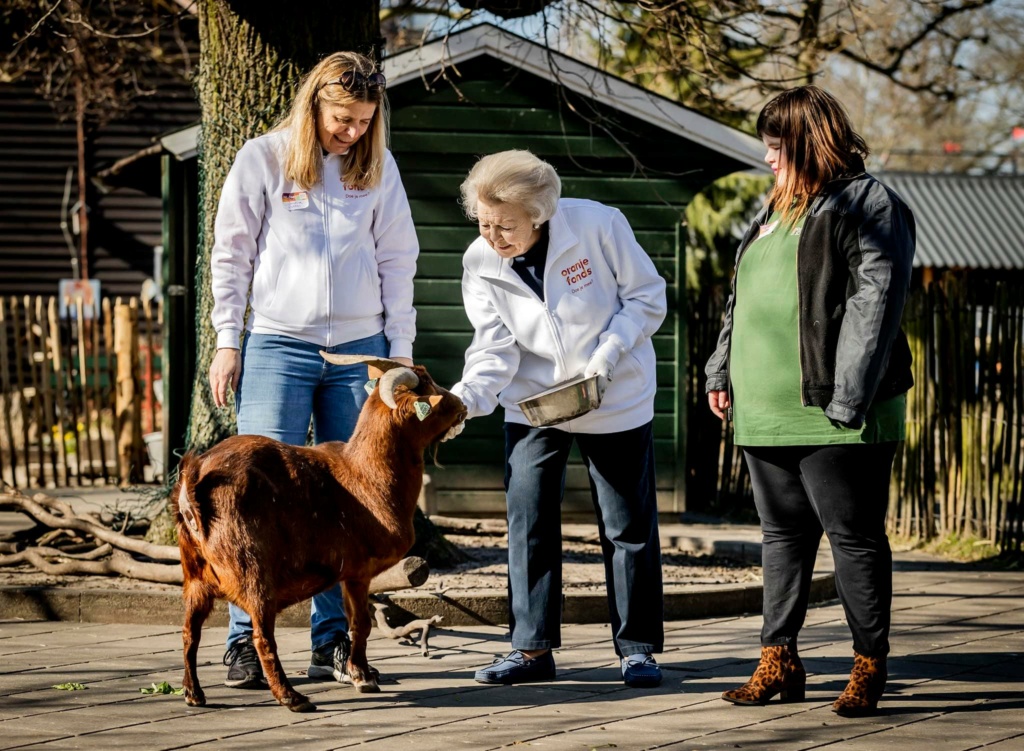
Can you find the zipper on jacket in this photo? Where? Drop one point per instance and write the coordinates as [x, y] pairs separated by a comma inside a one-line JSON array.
[[327, 249], [554, 335]]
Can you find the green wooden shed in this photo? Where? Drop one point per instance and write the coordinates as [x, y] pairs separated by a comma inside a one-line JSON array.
[[482, 90]]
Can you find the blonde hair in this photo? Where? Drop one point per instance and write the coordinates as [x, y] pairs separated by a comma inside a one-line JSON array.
[[515, 177], [819, 142], [364, 164]]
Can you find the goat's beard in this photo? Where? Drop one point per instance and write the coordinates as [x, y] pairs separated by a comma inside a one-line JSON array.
[[434, 446]]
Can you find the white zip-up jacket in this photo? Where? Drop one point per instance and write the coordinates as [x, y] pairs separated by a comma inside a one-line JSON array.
[[600, 287], [327, 265]]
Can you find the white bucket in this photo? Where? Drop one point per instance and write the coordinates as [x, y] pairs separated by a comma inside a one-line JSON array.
[[155, 449]]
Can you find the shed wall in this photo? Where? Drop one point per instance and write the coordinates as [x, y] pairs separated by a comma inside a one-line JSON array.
[[436, 138]]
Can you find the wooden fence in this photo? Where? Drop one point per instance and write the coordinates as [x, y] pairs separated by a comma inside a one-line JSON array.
[[76, 390], [960, 471]]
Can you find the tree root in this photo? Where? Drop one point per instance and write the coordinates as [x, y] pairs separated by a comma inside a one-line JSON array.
[[82, 558], [120, 563], [418, 630], [41, 507]]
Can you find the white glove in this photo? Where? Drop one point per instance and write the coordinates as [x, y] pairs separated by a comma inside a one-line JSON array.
[[602, 362], [453, 431]]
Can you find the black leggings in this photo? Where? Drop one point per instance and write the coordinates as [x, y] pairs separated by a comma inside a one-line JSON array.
[[801, 491]]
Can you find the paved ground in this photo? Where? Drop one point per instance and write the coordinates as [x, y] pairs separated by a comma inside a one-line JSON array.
[[957, 683]]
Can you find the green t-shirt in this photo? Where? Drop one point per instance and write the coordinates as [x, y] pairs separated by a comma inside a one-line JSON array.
[[764, 364]]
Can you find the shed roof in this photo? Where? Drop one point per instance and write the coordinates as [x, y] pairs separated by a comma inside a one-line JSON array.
[[460, 47], [486, 39], [965, 221]]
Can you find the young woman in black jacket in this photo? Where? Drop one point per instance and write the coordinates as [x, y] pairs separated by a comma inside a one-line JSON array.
[[813, 367]]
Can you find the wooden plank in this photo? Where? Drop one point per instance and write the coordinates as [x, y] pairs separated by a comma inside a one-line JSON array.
[[84, 447], [466, 95], [489, 143], [455, 238], [108, 347], [492, 476], [575, 503], [616, 191], [32, 349], [439, 210], [46, 393], [72, 401], [149, 397], [19, 380], [493, 118], [652, 217], [56, 360], [624, 191], [97, 392], [5, 381], [487, 447]]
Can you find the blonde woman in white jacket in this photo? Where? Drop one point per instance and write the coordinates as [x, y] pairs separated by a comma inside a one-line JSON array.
[[555, 289], [314, 233]]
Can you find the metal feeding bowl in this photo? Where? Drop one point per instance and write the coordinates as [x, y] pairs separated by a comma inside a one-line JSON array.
[[562, 402]]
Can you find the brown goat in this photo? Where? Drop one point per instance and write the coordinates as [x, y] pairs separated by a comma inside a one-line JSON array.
[[265, 525]]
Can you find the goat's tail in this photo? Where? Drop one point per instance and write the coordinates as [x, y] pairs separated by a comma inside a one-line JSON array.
[[188, 514]]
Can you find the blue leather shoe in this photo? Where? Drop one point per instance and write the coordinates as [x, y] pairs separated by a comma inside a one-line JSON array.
[[641, 671], [517, 669]]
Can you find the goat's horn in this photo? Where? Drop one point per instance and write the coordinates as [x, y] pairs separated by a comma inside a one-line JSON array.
[[398, 377], [381, 363]]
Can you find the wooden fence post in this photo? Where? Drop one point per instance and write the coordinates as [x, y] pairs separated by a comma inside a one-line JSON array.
[[5, 383], [129, 433]]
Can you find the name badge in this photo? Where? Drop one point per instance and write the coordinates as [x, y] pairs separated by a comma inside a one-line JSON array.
[[767, 229], [295, 201]]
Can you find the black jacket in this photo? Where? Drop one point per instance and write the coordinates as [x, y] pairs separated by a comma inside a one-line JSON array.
[[854, 261]]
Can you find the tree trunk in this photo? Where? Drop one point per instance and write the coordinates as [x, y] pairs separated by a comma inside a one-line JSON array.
[[252, 54]]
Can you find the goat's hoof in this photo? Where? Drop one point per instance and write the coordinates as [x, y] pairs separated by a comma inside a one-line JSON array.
[[195, 699], [298, 703], [368, 687]]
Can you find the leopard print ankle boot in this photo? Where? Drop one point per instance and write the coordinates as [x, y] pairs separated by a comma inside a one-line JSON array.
[[867, 682], [779, 672]]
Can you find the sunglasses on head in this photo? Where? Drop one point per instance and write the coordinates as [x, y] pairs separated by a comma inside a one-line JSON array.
[[355, 82]]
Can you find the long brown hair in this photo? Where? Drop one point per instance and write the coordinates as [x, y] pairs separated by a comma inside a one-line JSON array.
[[364, 164], [818, 142]]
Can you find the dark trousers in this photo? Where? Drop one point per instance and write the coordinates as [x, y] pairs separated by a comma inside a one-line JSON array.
[[844, 490], [621, 468]]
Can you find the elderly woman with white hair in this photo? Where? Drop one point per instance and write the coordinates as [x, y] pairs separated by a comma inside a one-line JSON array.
[[558, 288]]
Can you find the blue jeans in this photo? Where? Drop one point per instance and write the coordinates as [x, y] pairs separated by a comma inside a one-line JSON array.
[[284, 384], [621, 469]]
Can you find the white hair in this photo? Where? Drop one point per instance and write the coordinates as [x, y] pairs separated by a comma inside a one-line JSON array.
[[514, 177]]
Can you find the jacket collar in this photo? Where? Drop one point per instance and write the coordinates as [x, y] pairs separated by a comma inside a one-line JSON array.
[[561, 239]]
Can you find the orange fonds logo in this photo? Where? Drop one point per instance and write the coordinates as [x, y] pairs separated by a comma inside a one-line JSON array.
[[577, 272]]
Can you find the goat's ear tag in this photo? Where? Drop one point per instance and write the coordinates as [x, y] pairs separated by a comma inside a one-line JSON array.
[[370, 385], [422, 410]]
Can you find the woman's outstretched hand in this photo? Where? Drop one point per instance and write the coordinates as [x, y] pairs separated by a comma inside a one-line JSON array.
[[719, 403], [225, 370]]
